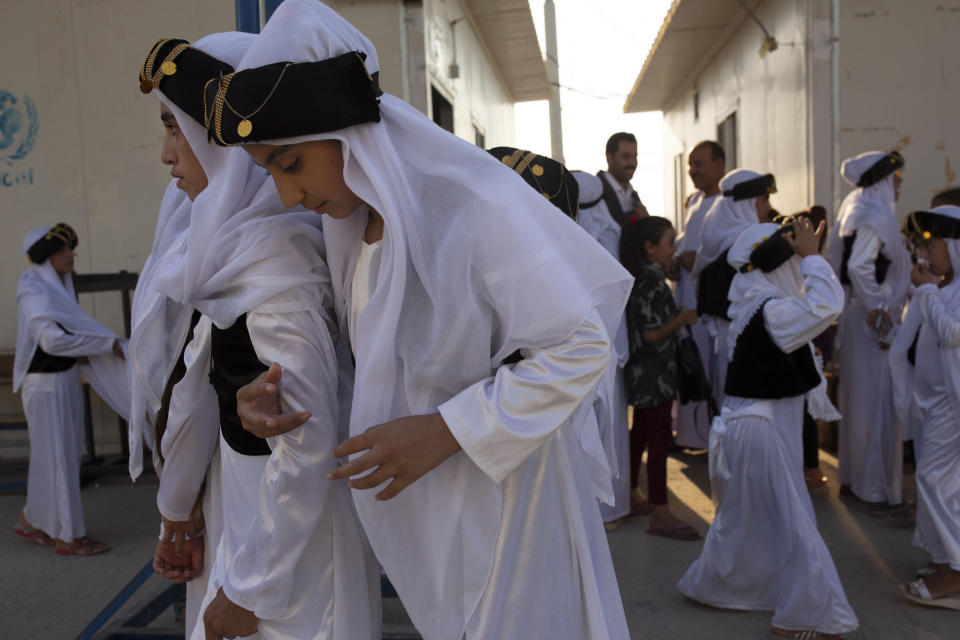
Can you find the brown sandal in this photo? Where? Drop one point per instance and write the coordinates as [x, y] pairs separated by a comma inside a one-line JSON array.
[[85, 546], [677, 531]]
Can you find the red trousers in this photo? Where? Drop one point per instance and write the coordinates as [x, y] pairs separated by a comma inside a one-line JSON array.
[[652, 430]]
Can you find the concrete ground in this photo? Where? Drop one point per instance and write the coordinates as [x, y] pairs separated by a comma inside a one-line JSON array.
[[49, 597]]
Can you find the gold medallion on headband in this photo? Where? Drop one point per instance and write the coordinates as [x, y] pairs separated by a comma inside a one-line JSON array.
[[245, 128]]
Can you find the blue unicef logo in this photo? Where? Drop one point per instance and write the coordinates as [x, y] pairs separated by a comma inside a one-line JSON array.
[[18, 127]]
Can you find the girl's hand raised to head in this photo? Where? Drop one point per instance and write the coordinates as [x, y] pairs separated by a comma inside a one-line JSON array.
[[804, 240], [258, 406], [402, 450]]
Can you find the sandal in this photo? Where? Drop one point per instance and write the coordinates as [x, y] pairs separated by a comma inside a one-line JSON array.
[[905, 516], [924, 571], [918, 592], [32, 533], [642, 508], [678, 531], [85, 546]]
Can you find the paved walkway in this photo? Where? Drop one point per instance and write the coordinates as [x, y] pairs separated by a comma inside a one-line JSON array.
[[49, 597]]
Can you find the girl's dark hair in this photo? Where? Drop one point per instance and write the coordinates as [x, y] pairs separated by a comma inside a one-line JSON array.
[[634, 236]]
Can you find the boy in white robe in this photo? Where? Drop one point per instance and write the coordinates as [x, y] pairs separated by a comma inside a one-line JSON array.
[[870, 259], [930, 341], [57, 341], [763, 550], [445, 263], [180, 428], [744, 202], [292, 560]]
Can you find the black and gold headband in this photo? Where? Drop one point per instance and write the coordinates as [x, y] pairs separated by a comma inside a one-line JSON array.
[[288, 99], [550, 178], [881, 169], [61, 234], [930, 224], [753, 188], [181, 73], [770, 252]]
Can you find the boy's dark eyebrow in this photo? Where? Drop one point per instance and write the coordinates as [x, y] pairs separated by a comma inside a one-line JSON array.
[[276, 152], [167, 117]]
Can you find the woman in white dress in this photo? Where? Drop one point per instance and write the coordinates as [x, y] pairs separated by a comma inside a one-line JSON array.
[[57, 341], [763, 550]]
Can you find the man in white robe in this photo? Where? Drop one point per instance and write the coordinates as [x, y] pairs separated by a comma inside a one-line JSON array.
[[763, 550], [706, 163], [611, 404], [869, 256]]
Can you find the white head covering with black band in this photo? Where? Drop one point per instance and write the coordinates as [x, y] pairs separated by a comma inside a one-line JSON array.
[[873, 204], [43, 296], [159, 324], [940, 222], [474, 265], [731, 213]]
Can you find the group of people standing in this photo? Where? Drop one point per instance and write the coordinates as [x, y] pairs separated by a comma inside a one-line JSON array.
[[421, 380]]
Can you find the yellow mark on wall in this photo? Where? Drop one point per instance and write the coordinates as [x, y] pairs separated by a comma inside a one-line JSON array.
[[941, 145], [902, 143], [948, 171]]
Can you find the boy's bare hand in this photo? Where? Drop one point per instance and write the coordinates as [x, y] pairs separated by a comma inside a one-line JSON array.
[[402, 450], [258, 406]]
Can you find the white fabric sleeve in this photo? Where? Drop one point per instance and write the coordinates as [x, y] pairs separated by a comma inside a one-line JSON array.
[[793, 322], [193, 431], [58, 342], [294, 488], [861, 269], [944, 322], [501, 420]]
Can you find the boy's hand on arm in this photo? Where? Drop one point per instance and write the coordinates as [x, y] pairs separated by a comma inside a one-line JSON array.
[[804, 240], [402, 450], [258, 406]]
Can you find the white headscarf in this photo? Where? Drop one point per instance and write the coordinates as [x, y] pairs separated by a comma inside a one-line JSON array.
[[474, 265], [43, 295], [725, 220], [874, 207], [596, 220]]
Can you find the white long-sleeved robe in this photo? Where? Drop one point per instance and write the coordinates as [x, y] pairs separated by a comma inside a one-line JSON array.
[[763, 550], [870, 443], [938, 447], [53, 406], [693, 419], [292, 550], [549, 532]]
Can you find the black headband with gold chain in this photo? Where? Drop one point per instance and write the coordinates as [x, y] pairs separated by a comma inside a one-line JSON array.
[[930, 224], [550, 178], [753, 188], [181, 73], [61, 234], [289, 99]]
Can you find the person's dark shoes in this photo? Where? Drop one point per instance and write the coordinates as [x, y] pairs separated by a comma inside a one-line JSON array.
[[883, 508], [846, 491], [906, 516]]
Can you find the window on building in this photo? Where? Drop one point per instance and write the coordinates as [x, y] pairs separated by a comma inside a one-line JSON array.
[[679, 191], [478, 138], [727, 137], [442, 109]]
